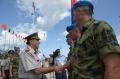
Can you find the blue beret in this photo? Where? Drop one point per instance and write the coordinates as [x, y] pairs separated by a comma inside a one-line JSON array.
[[70, 27], [83, 3]]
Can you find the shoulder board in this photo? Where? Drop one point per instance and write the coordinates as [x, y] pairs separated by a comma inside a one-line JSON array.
[[97, 22], [27, 50]]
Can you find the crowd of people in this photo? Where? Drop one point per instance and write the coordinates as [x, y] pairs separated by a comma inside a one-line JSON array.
[[94, 52], [9, 64]]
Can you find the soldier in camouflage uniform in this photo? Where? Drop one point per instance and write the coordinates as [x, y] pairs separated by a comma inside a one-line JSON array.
[[0, 66], [72, 37], [97, 50], [15, 67], [16, 62], [7, 66], [70, 43]]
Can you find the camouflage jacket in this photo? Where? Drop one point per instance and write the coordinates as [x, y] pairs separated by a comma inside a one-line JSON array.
[[70, 69], [97, 40], [15, 66]]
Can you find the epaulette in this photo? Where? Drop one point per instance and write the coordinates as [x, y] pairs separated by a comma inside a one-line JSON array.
[[98, 22], [27, 50]]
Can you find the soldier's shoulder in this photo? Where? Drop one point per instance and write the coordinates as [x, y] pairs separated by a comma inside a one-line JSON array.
[[97, 22], [101, 24]]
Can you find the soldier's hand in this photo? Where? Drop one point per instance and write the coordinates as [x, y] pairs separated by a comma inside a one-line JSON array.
[[72, 60], [59, 69], [66, 65]]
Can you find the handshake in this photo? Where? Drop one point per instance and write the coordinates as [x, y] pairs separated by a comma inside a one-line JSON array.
[[60, 69]]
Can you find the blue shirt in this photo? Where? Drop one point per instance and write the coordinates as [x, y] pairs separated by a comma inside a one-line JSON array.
[[60, 60]]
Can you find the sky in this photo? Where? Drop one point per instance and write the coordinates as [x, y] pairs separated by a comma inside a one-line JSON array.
[[51, 18]]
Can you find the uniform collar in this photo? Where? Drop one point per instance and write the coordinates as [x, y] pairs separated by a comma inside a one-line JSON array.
[[88, 23], [31, 50], [33, 54], [76, 42]]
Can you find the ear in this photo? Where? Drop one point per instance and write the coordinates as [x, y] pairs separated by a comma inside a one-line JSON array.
[[30, 41], [76, 31]]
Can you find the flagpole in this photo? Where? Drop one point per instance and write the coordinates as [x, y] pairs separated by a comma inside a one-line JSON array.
[[16, 38], [4, 27], [9, 41], [5, 41], [33, 5], [9, 38], [13, 39]]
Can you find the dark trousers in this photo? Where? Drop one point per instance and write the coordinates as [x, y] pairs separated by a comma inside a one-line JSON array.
[[62, 75], [44, 77], [7, 74]]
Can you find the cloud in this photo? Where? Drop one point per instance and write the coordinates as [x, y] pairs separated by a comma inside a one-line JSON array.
[[28, 29], [51, 12], [59, 39], [65, 14], [118, 38], [40, 20], [48, 14], [42, 35], [64, 33]]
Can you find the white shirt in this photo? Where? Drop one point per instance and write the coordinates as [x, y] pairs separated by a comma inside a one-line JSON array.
[[29, 61]]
